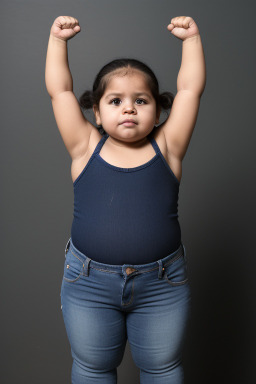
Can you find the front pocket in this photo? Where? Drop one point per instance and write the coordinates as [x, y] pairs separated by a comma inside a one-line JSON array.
[[176, 273], [73, 267]]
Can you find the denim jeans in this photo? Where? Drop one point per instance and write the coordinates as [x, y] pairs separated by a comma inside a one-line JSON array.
[[103, 305]]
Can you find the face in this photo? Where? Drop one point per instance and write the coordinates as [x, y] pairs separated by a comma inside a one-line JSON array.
[[127, 98]]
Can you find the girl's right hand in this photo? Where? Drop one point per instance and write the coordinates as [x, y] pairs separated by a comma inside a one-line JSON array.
[[65, 27]]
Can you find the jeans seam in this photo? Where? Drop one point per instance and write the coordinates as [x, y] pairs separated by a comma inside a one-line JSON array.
[[131, 295], [175, 283], [173, 260], [77, 258], [107, 271], [72, 281]]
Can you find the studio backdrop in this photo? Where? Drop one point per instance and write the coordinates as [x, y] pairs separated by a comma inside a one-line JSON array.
[[217, 191]]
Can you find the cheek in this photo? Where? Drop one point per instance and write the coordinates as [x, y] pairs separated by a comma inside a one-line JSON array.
[[109, 117], [151, 113]]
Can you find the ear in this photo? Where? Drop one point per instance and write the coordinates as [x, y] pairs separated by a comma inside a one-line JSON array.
[[97, 114]]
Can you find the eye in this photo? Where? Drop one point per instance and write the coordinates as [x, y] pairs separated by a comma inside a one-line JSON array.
[[114, 101], [143, 101]]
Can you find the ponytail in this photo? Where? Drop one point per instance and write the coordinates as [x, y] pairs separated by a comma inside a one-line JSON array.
[[166, 100], [86, 100]]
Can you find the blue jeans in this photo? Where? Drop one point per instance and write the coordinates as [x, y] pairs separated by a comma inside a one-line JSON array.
[[103, 305]]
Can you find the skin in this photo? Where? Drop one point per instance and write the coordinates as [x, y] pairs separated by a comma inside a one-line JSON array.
[[113, 109]]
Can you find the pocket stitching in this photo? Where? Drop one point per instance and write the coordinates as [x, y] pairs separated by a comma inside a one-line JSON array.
[[72, 281], [177, 283], [80, 274]]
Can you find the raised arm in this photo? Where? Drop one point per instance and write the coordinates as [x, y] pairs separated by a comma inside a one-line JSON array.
[[179, 126], [74, 128]]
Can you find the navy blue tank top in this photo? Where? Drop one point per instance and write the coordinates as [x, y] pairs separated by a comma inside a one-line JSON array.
[[126, 215]]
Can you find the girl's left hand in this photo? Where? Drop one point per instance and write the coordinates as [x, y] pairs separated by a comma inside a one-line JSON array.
[[183, 27]]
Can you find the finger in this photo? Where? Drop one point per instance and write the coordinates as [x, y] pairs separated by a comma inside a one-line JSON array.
[[186, 21], [74, 22], [179, 21], [70, 22], [64, 22], [172, 24]]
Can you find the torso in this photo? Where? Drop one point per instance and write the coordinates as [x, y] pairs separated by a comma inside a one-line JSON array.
[[126, 160]]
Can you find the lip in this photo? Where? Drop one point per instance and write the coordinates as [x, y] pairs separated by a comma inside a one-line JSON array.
[[128, 121]]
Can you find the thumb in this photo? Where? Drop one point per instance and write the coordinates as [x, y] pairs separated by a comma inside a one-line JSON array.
[[77, 28], [170, 27]]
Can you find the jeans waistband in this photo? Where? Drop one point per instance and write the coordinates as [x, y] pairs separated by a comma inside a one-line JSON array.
[[160, 264]]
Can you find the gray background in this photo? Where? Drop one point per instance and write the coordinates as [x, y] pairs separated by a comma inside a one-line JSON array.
[[216, 203]]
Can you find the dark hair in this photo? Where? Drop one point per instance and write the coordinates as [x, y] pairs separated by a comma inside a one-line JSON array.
[[116, 67]]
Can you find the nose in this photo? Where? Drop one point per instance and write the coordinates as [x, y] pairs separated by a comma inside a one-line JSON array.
[[129, 108]]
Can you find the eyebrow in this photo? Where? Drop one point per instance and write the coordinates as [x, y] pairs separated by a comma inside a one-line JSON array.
[[136, 94]]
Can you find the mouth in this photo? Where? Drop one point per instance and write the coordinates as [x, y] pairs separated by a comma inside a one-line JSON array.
[[128, 122]]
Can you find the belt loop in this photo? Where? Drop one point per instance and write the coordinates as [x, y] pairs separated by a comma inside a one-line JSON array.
[[184, 252], [67, 246], [161, 269], [86, 269]]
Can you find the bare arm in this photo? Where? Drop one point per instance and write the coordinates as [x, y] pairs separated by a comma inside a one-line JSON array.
[[74, 128], [58, 77], [179, 126], [192, 74]]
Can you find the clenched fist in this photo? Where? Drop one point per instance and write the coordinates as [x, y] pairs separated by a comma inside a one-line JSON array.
[[183, 27], [65, 27]]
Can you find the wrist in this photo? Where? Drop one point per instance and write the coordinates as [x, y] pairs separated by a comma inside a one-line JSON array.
[[193, 37], [57, 39]]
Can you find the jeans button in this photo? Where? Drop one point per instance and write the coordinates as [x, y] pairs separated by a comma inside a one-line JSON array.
[[130, 270]]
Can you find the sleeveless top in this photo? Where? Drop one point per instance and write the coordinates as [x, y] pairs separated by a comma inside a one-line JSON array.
[[126, 215]]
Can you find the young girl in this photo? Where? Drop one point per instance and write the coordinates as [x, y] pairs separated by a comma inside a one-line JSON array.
[[125, 271]]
